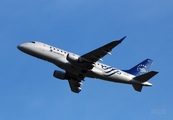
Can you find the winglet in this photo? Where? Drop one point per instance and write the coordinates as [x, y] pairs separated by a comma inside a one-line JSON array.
[[122, 39]]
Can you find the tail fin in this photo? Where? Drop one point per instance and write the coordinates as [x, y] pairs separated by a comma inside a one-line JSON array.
[[141, 68]]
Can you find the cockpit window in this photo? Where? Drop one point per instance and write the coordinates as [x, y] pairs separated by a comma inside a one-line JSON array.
[[33, 42]]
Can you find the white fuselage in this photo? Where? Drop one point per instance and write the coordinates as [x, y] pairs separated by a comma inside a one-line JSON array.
[[59, 58]]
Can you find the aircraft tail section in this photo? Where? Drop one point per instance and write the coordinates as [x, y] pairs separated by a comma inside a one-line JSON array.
[[145, 77], [137, 87], [143, 80], [141, 68]]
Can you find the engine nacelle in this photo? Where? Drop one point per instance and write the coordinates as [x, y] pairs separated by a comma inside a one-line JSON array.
[[72, 58], [59, 74]]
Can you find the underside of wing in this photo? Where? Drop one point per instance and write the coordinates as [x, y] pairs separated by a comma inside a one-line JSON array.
[[75, 85], [75, 82], [99, 53]]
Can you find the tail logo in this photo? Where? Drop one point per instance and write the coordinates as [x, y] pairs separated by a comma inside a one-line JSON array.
[[142, 69]]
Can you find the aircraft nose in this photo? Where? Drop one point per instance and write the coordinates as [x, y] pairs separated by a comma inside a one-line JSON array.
[[19, 47]]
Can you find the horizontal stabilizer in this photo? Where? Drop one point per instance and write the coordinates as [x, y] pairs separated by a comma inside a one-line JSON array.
[[137, 87], [145, 77]]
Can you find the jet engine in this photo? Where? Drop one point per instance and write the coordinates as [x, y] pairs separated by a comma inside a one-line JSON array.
[[59, 74], [72, 58]]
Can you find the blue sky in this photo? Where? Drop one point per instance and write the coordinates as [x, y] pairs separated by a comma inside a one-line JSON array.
[[28, 90]]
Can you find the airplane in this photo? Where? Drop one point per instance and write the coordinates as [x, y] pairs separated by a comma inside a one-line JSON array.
[[76, 67]]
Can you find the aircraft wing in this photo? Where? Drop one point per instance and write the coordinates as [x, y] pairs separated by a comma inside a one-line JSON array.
[[75, 85], [75, 82], [99, 53]]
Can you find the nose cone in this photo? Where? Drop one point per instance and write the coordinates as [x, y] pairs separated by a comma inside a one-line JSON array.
[[20, 47], [26, 48]]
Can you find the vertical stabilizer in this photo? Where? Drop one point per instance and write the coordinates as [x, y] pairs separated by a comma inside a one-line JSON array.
[[141, 68]]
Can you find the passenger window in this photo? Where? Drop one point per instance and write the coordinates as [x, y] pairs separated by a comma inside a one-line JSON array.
[[33, 42]]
